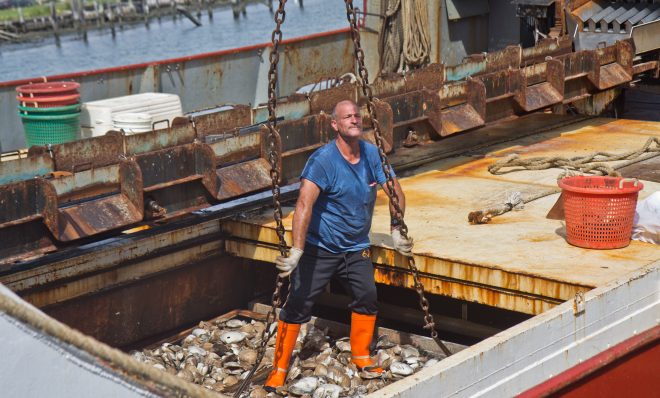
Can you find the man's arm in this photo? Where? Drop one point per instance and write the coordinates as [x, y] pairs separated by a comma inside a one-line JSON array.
[[309, 192]]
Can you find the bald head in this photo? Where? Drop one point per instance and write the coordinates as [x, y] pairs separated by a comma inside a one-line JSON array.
[[347, 121], [342, 105]]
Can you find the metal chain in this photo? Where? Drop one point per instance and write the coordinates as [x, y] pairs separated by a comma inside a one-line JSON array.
[[274, 160], [387, 169]]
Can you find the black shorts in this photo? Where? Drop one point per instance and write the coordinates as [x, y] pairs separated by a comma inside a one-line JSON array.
[[316, 268]]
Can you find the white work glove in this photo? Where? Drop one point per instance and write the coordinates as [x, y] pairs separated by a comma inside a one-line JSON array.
[[288, 264], [401, 244]]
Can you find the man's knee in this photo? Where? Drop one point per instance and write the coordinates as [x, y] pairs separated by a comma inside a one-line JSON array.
[[296, 310], [366, 301]]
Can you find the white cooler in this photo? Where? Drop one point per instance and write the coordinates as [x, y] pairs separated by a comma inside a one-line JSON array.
[[96, 116]]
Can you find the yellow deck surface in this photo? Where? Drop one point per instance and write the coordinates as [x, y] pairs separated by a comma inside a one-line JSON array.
[[520, 261]]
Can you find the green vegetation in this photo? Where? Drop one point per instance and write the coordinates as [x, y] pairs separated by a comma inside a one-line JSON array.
[[35, 11]]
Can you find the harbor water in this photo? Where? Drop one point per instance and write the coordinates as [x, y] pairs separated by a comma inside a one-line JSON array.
[[167, 38]]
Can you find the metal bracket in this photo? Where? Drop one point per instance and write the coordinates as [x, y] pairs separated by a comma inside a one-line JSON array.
[[578, 303]]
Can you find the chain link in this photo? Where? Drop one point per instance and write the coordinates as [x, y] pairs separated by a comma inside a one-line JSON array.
[[274, 160], [351, 14]]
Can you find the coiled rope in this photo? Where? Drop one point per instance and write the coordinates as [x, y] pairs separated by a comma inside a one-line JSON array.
[[405, 42], [594, 163], [391, 41], [416, 41]]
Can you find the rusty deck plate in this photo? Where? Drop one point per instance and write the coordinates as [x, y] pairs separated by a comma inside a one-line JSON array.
[[520, 261]]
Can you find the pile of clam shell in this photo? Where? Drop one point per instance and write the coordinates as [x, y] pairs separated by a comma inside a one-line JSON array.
[[219, 354]]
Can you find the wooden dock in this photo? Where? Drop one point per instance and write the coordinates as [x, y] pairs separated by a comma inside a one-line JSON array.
[[100, 14]]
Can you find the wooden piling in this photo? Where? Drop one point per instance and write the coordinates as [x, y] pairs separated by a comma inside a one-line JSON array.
[[21, 20], [158, 12], [53, 23], [75, 14], [99, 17], [188, 15], [83, 22], [120, 16], [111, 19], [145, 13]]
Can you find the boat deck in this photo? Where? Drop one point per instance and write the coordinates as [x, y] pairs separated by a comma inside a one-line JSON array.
[[519, 261]]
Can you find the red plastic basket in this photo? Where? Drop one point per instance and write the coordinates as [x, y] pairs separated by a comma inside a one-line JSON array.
[[599, 210], [49, 102], [48, 89]]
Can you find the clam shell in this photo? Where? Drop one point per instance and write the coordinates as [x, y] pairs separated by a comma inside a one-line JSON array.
[[232, 365], [139, 356], [195, 350], [367, 375], [232, 337], [400, 368], [306, 385], [248, 329], [247, 356], [198, 332], [409, 351], [384, 342], [320, 370], [234, 323], [258, 393], [293, 373], [343, 346], [324, 358], [412, 361], [230, 381], [328, 391], [337, 375], [186, 375], [308, 363], [384, 359], [344, 358]]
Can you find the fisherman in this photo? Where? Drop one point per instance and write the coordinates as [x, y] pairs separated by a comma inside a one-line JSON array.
[[331, 227]]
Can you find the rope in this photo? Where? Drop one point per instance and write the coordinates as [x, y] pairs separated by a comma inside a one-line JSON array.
[[589, 164], [391, 40], [584, 164], [416, 38], [405, 41], [25, 313]]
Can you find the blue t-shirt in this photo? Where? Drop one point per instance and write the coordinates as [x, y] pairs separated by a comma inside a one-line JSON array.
[[341, 216]]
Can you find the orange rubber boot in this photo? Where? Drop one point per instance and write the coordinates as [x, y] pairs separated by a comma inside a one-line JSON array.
[[362, 329], [287, 334]]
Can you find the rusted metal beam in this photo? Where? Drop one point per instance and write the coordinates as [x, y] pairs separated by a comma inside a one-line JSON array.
[[544, 90], [220, 154], [464, 106], [412, 316], [433, 282]]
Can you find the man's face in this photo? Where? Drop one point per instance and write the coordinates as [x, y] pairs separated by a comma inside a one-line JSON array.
[[348, 122]]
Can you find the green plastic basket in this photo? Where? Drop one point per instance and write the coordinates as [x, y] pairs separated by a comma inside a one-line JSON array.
[[59, 110], [50, 129]]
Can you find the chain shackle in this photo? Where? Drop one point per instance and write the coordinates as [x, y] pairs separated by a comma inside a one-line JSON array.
[[367, 92]]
